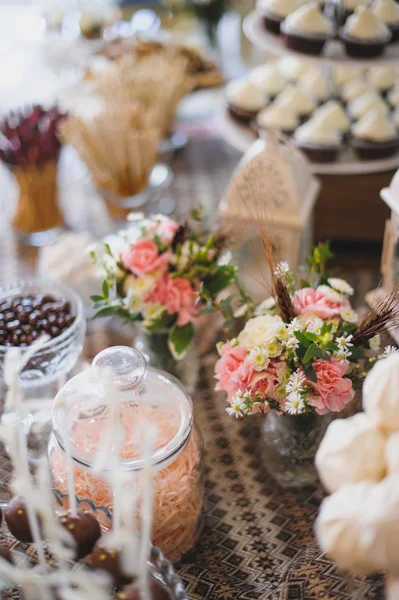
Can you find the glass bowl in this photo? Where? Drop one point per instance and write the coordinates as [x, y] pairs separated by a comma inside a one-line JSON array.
[[159, 567], [58, 355]]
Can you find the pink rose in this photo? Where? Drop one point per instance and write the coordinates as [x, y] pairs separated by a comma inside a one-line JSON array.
[[227, 369], [167, 230], [334, 392], [143, 257], [308, 300], [180, 299]]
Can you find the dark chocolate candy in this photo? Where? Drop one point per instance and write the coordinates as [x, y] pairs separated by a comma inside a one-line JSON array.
[[85, 530]]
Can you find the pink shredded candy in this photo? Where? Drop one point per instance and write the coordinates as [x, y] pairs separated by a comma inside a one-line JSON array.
[[178, 488]]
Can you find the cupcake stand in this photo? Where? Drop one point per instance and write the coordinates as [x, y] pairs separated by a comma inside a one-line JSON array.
[[353, 197]]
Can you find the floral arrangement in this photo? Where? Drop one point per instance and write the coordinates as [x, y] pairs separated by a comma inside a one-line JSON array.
[[303, 349], [162, 273]]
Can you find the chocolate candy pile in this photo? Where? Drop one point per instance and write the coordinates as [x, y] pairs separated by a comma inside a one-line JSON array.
[[25, 318], [29, 136]]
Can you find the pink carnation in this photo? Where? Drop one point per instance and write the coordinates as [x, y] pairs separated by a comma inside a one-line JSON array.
[[143, 257], [334, 392], [230, 369], [166, 230], [178, 297], [308, 300]]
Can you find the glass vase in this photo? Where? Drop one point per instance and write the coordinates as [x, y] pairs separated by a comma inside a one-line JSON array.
[[290, 445], [155, 348], [37, 220]]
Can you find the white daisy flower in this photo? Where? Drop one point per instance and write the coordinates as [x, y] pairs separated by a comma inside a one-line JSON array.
[[331, 294], [259, 358], [296, 382], [295, 325], [340, 285], [291, 343], [314, 326], [281, 331], [344, 342], [388, 350], [140, 286], [273, 349], [348, 315], [236, 408], [135, 216], [295, 404], [375, 342], [343, 355], [265, 306], [282, 269]]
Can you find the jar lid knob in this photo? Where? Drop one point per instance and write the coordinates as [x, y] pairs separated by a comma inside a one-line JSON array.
[[128, 366]]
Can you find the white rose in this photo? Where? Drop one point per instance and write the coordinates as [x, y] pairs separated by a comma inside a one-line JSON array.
[[259, 330], [351, 451], [381, 393], [341, 286]]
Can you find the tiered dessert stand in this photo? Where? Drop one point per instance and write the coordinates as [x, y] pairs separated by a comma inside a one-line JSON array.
[[354, 196]]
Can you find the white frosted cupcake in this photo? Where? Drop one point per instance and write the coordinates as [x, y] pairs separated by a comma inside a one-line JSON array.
[[292, 68], [275, 11], [374, 136], [320, 142], [296, 100], [316, 85], [345, 73], [354, 89], [388, 12], [382, 78], [244, 100], [363, 105], [350, 5], [268, 79], [333, 115], [307, 29], [393, 96], [364, 35], [277, 117]]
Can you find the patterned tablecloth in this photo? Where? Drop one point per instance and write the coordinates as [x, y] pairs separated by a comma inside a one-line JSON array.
[[257, 541]]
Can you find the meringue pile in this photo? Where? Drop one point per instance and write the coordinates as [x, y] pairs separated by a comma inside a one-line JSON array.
[[358, 461]]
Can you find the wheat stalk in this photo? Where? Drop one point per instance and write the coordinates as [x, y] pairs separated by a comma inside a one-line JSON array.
[[383, 315]]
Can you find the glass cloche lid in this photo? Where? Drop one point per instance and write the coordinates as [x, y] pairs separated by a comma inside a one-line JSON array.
[[145, 395]]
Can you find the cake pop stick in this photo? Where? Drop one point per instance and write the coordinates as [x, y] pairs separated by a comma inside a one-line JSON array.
[[147, 507]]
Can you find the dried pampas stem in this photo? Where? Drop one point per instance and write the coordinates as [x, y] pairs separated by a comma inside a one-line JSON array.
[[384, 315]]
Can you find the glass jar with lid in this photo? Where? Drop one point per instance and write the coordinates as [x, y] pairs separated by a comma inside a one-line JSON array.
[[146, 395]]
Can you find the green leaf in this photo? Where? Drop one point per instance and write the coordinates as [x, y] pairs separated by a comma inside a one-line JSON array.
[[179, 339], [305, 283], [105, 312], [108, 249], [310, 373], [105, 290], [162, 322], [302, 338], [311, 336], [309, 353], [320, 353], [223, 277], [96, 298]]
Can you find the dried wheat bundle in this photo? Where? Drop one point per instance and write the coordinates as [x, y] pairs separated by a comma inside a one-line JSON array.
[[119, 146], [383, 315], [158, 82]]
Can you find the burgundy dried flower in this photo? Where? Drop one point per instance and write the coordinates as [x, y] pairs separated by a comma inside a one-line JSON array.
[[29, 136]]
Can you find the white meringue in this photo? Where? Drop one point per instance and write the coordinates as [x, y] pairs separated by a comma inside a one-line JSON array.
[[381, 393], [339, 528], [351, 451], [392, 454], [358, 526]]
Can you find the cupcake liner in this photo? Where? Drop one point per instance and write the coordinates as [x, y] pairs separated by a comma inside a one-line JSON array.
[[300, 42], [320, 153], [363, 48], [272, 22], [368, 150], [241, 115]]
